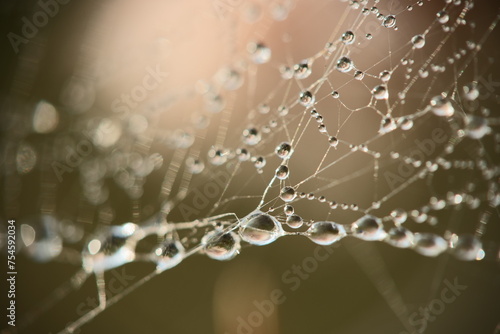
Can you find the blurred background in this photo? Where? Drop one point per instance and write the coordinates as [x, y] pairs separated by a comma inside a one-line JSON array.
[[65, 84]]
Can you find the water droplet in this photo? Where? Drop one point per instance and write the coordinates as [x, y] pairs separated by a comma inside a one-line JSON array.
[[358, 75], [195, 166], [260, 229], [287, 194], [348, 37], [429, 244], [214, 103], [476, 127], [284, 150], [399, 237], [26, 158], [107, 132], [229, 78], [399, 216], [286, 72], [45, 118], [369, 227], [41, 238], [387, 125], [306, 98], [251, 136], [282, 110], [441, 106], [220, 245], [470, 91], [282, 172], [217, 156], [405, 123], [418, 41], [280, 11], [442, 16], [325, 233], [333, 141], [344, 64], [466, 247], [288, 209], [294, 221], [302, 70], [369, 36], [263, 108], [259, 53], [169, 254], [111, 249], [259, 162], [389, 21], [380, 92], [242, 154], [335, 94]]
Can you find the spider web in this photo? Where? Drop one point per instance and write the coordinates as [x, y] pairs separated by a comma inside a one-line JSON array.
[[342, 122]]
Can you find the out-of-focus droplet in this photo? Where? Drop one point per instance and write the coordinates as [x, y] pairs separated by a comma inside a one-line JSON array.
[[26, 158], [45, 118]]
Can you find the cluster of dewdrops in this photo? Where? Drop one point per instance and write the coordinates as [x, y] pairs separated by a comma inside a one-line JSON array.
[[223, 234]]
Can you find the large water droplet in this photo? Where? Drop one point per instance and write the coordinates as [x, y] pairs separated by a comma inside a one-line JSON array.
[[260, 229], [259, 53], [467, 247], [470, 91], [217, 156], [325, 233], [306, 98], [348, 37], [418, 41], [442, 16], [380, 92], [441, 106], [385, 76], [389, 21], [284, 150], [26, 158], [294, 221], [195, 166], [399, 216], [220, 245], [41, 238], [399, 237], [429, 244], [344, 64], [287, 194], [168, 254], [387, 125], [45, 118], [369, 227], [302, 70], [251, 136], [229, 78], [111, 249], [476, 127], [282, 172], [333, 141]]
